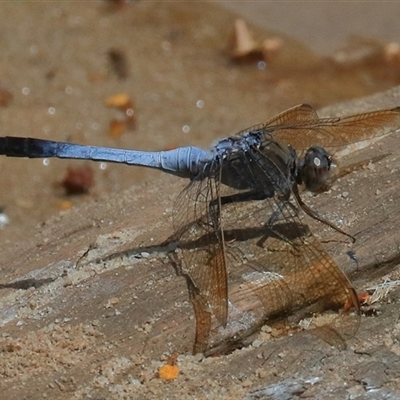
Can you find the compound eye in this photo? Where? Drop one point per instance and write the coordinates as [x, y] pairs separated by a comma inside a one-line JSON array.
[[315, 169]]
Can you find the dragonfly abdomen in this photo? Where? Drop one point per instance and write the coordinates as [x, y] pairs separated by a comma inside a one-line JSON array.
[[185, 162]]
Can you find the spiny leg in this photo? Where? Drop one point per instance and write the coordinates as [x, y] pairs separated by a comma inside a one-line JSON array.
[[314, 215]]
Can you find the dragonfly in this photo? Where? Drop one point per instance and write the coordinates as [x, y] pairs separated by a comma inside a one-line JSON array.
[[240, 222]]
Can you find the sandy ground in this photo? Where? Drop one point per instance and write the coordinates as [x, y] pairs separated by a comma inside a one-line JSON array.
[[90, 307]]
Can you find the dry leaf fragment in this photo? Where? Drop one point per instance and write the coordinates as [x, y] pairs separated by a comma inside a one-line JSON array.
[[169, 371], [392, 53], [244, 48], [271, 47], [245, 44], [118, 63], [120, 100], [78, 180], [65, 205], [117, 128], [123, 103], [6, 97]]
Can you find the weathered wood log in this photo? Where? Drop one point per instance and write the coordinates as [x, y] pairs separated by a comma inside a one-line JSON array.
[[101, 250]]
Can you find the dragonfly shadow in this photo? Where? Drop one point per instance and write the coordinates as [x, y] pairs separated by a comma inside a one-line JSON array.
[[286, 231]]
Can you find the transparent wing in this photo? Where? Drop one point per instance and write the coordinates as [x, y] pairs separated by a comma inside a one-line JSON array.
[[301, 127], [285, 264], [202, 243], [294, 115], [226, 239]]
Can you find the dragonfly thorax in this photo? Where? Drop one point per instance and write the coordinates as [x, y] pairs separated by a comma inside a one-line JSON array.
[[316, 169], [256, 163]]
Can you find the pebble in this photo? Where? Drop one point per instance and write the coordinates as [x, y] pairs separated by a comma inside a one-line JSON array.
[[247, 383], [257, 343]]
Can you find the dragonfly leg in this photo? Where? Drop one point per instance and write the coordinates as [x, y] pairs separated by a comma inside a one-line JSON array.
[[275, 215], [274, 218], [253, 195], [314, 215]]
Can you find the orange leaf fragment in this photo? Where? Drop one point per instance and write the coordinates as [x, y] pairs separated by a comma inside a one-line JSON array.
[[117, 128], [118, 100], [123, 103], [168, 372], [364, 297], [65, 205]]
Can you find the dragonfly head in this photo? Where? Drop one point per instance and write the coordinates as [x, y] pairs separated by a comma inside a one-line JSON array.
[[316, 170]]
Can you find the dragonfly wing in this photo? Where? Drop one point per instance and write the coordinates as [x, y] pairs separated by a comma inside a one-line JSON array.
[[203, 318], [336, 132], [283, 264], [198, 225], [292, 116], [296, 114], [225, 238]]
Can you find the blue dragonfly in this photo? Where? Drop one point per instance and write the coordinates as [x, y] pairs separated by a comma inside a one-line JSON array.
[[241, 217]]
